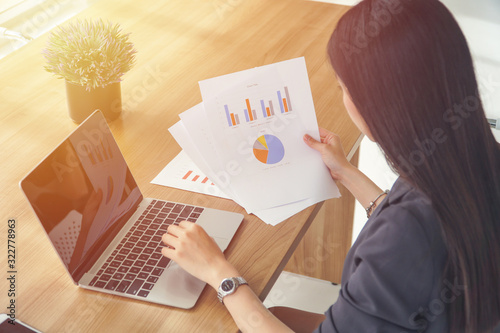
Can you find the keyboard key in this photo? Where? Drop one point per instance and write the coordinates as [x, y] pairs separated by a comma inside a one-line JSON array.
[[137, 233], [195, 215], [127, 262], [130, 277], [157, 271], [133, 239], [136, 250], [147, 222], [132, 256], [152, 262], [147, 269], [156, 239], [148, 286], [100, 284], [160, 232], [170, 204], [160, 204], [115, 264], [192, 220], [186, 211], [128, 245], [198, 210], [143, 257], [135, 270], [164, 227], [154, 226], [139, 263], [94, 280], [124, 251], [100, 272], [156, 256], [162, 216], [105, 277], [152, 245], [141, 244], [150, 217], [110, 271], [165, 210], [120, 257], [145, 238], [142, 227], [148, 232], [114, 253], [178, 208], [148, 250], [134, 288], [104, 266], [123, 269], [152, 279], [163, 262], [143, 293], [118, 276], [154, 211], [143, 275], [123, 286], [112, 285]]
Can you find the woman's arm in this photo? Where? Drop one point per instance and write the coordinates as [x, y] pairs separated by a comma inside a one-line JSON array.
[[196, 252], [332, 153]]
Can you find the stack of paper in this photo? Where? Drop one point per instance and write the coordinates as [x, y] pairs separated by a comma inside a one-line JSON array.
[[246, 137]]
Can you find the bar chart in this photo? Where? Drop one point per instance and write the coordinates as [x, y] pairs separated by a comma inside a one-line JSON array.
[[260, 108], [190, 176]]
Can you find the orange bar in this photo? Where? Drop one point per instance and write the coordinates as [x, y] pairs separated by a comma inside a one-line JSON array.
[[196, 178], [187, 174], [284, 103], [268, 112], [249, 110], [232, 119]]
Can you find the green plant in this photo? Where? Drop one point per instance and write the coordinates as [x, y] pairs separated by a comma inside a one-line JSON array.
[[89, 53]]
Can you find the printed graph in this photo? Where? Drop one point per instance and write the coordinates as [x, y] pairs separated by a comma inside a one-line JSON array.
[[265, 107], [268, 149], [190, 176]]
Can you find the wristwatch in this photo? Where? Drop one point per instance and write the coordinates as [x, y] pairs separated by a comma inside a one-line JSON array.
[[229, 286]]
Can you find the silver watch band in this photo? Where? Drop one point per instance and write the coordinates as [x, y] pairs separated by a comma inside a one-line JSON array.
[[236, 282]]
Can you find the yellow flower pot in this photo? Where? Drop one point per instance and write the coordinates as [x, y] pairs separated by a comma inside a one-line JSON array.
[[82, 103]]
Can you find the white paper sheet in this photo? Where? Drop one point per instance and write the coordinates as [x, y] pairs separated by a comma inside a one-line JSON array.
[[182, 173], [272, 164]]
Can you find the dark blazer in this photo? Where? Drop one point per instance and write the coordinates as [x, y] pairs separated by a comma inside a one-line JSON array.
[[392, 278]]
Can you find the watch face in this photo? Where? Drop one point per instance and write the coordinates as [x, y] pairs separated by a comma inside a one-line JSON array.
[[227, 285]]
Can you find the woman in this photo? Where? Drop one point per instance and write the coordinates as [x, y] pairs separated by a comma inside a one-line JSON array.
[[428, 259]]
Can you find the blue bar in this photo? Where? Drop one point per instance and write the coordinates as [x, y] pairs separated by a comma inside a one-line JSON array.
[[228, 116], [246, 115], [281, 102], [263, 108]]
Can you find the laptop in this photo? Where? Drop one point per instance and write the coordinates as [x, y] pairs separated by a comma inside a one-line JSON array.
[[108, 235]]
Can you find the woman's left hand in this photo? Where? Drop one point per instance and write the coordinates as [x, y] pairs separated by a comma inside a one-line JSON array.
[[197, 253]]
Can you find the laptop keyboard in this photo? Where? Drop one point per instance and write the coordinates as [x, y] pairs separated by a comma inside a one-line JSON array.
[[136, 264]]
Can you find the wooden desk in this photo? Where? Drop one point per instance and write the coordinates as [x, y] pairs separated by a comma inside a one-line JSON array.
[[179, 42]]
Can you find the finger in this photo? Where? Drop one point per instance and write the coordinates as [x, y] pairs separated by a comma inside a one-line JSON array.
[[175, 230], [170, 240], [168, 252], [323, 132], [186, 224], [311, 142]]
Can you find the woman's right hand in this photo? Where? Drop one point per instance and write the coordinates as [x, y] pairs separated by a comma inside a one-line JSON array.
[[331, 151]]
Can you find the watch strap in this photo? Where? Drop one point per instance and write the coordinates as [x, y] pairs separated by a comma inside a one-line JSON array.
[[238, 281]]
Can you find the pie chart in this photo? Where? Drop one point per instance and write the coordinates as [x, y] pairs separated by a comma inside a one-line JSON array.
[[268, 149]]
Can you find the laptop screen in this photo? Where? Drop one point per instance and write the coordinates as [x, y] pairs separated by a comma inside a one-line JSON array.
[[83, 193]]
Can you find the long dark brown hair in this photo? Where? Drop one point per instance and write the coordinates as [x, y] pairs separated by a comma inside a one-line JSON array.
[[409, 72]]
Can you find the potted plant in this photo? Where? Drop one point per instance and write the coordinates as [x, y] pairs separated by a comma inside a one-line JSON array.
[[91, 56]]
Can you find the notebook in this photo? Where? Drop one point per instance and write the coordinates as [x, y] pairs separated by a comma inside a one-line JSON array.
[[107, 235]]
